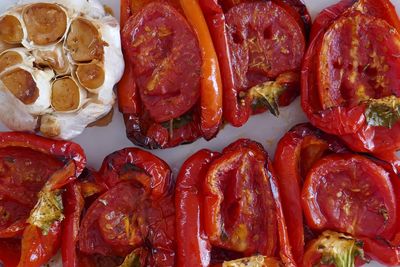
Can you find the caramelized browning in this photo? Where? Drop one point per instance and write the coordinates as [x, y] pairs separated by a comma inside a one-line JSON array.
[[22, 85], [8, 59], [45, 23], [90, 75], [84, 41], [65, 95], [10, 30]]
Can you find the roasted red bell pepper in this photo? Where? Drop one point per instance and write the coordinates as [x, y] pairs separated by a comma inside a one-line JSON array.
[[31, 200], [352, 198], [252, 83], [181, 100], [73, 205], [356, 105], [228, 207], [133, 220], [295, 154]]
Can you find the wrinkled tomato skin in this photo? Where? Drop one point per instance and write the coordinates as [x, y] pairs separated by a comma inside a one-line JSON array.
[[295, 154], [359, 180], [154, 173]]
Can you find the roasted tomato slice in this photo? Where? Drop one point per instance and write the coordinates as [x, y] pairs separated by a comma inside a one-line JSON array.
[[356, 62], [166, 60], [262, 46], [350, 194]]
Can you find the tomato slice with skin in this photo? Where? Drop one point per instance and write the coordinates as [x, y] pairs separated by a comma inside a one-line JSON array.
[[350, 194], [166, 59], [237, 198], [261, 46], [358, 66]]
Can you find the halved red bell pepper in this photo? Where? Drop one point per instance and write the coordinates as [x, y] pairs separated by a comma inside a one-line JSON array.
[[228, 206], [31, 200], [322, 183], [283, 86], [134, 218], [185, 115], [358, 119]]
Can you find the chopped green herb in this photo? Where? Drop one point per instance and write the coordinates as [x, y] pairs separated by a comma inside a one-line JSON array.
[[383, 112], [48, 210]]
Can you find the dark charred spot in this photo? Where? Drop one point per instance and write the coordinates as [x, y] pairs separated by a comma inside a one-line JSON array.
[[268, 33], [237, 38]]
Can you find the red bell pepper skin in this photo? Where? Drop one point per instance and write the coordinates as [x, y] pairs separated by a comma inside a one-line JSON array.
[[36, 247], [195, 202], [144, 164], [65, 150], [73, 205], [192, 252]]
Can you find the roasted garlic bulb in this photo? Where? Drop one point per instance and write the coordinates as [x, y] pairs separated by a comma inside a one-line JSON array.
[[59, 62]]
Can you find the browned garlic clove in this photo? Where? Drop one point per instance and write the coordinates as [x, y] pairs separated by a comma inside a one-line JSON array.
[[91, 75], [66, 95], [84, 41], [9, 58], [21, 84], [45, 23], [11, 31]]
